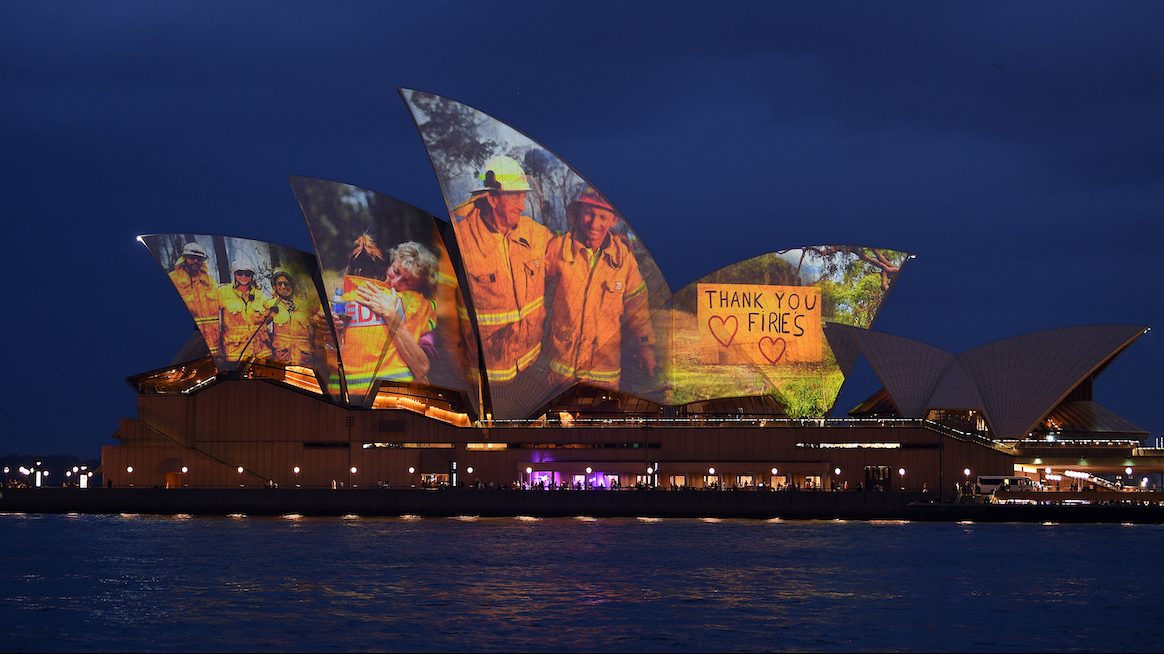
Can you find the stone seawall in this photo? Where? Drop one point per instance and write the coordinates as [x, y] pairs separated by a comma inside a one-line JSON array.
[[454, 502]]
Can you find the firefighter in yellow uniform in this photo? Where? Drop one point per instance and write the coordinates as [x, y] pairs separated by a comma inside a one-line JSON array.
[[599, 295], [243, 310], [389, 327], [291, 329], [504, 254], [191, 276]]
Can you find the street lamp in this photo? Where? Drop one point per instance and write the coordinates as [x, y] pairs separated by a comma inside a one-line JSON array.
[[588, 471], [529, 475], [129, 474], [711, 473], [351, 476]]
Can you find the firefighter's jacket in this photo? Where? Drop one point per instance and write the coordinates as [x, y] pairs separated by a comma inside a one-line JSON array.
[[367, 351], [507, 281], [242, 317], [198, 292], [291, 332], [599, 295]]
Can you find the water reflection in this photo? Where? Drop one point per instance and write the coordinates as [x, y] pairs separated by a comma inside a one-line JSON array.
[[499, 584]]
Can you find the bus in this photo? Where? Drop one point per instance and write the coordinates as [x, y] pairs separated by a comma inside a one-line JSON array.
[[989, 484]]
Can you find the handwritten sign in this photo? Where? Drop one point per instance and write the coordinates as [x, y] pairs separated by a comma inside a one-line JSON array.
[[763, 325]]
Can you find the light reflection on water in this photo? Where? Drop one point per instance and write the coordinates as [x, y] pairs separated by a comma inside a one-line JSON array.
[[328, 584]]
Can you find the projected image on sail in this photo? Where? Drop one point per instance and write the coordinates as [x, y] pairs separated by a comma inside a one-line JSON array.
[[755, 328], [395, 298], [256, 304], [564, 290]]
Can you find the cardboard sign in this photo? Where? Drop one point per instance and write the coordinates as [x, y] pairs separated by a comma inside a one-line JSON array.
[[762, 325]]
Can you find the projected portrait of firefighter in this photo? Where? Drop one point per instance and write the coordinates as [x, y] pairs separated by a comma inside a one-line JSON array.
[[504, 251], [191, 276], [243, 310], [389, 315], [291, 331], [599, 297]]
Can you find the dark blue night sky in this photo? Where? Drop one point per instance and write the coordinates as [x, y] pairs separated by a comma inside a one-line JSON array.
[[1016, 148]]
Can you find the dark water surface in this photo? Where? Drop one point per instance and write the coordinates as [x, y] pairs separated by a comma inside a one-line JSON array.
[[98, 583]]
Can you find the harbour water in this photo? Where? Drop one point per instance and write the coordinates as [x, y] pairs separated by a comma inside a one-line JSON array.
[[176, 583]]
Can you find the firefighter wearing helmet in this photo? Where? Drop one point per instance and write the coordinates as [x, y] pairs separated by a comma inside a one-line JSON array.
[[242, 310], [504, 254], [191, 276], [599, 300], [290, 328]]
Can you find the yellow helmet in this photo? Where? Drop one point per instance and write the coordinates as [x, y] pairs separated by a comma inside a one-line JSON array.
[[502, 173]]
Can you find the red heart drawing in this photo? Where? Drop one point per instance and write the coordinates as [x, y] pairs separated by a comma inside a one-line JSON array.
[[770, 353], [720, 332]]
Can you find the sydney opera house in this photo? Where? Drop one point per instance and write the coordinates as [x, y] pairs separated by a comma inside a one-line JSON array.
[[529, 338]]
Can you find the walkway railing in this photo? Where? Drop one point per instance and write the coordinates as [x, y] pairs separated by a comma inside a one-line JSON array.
[[773, 423]]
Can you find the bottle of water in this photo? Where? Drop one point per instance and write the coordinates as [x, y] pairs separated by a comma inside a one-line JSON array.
[[339, 308]]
